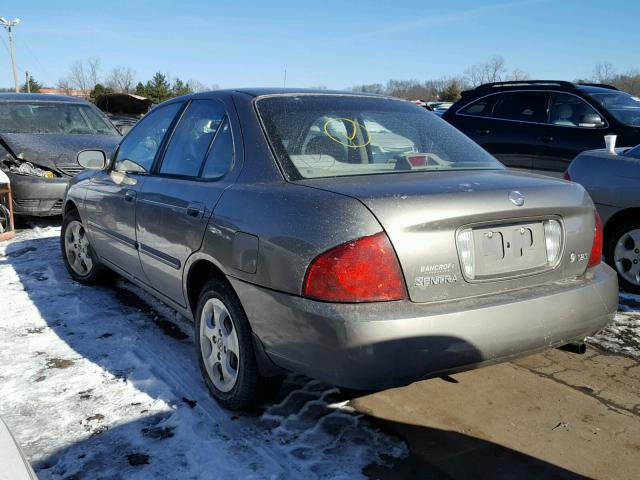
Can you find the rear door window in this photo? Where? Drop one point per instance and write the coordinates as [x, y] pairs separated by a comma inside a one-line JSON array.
[[480, 108], [522, 106], [192, 137], [221, 153]]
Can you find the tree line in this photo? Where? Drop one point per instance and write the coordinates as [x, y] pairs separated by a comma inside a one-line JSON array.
[[86, 76]]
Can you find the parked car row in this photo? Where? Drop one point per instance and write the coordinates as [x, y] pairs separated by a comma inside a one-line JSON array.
[[353, 238]]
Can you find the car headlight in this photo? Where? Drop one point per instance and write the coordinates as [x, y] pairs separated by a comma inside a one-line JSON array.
[[28, 168]]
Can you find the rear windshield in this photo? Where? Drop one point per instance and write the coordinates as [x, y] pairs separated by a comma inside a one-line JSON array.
[[316, 136], [52, 118], [625, 107]]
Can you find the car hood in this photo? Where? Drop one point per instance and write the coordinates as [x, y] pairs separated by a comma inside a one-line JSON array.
[[55, 152], [422, 211]]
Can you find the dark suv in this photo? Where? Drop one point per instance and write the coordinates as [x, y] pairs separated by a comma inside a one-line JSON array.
[[543, 124]]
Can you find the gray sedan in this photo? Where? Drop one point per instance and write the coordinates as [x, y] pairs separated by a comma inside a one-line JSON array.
[[355, 239], [613, 181]]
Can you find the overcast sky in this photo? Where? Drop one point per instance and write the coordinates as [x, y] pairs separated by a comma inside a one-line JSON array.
[[332, 43]]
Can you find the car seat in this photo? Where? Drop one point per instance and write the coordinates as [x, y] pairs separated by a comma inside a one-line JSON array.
[[562, 114], [322, 145]]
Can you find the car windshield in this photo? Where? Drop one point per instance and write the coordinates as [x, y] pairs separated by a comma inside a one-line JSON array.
[[52, 118], [624, 107], [326, 135]]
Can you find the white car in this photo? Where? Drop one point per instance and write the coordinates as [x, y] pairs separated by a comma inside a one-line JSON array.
[[13, 464]]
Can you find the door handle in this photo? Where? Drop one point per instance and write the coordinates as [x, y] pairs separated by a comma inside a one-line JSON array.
[[546, 138], [130, 195], [194, 209], [483, 132]]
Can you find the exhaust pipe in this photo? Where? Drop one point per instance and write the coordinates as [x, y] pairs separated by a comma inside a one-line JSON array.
[[575, 347]]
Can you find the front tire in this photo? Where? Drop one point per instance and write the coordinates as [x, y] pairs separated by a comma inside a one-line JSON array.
[[79, 258], [224, 347], [622, 252]]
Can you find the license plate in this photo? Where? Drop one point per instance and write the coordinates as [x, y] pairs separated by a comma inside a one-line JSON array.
[[508, 249]]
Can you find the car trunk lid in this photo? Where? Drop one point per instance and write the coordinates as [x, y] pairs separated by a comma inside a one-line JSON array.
[[425, 213]]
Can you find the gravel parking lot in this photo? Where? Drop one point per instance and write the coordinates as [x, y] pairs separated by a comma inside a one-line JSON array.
[[102, 383]]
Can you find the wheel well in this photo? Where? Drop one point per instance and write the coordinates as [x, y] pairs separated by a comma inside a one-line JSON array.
[[69, 206], [200, 273], [618, 218]]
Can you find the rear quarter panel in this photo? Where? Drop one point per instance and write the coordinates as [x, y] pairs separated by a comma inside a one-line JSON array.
[[293, 224]]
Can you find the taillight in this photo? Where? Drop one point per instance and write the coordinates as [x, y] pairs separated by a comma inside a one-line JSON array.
[[566, 175], [363, 270], [596, 249]]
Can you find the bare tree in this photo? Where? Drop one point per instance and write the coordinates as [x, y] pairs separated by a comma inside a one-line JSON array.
[[603, 72], [64, 85], [518, 75], [370, 88], [492, 71], [121, 79], [83, 75], [198, 86]]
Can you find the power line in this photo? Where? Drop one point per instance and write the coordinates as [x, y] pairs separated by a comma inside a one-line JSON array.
[[33, 55]]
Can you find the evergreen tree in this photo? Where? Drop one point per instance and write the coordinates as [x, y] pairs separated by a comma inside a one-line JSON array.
[[34, 86], [98, 91], [158, 89], [180, 88], [141, 90]]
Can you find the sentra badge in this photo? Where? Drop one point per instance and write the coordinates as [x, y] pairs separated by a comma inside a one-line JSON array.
[[436, 274]]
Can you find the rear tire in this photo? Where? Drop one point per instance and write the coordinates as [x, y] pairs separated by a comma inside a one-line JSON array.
[[224, 348], [79, 258], [622, 253]]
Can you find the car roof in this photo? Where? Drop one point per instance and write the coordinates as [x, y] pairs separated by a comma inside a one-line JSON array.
[[562, 85], [39, 97], [262, 91], [258, 92]]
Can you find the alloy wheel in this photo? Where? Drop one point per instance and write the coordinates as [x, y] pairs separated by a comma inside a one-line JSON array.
[[219, 345], [77, 248], [626, 256]]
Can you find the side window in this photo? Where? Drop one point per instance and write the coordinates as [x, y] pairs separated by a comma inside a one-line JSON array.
[[221, 153], [571, 111], [192, 137], [480, 108], [139, 148], [522, 106]]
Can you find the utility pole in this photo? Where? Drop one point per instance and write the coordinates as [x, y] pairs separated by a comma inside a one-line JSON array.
[[9, 24], [27, 83]]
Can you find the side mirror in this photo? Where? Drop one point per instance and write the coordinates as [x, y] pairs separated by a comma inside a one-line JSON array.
[[92, 159]]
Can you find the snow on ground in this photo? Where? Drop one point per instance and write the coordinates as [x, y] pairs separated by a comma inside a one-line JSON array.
[[623, 334], [102, 382]]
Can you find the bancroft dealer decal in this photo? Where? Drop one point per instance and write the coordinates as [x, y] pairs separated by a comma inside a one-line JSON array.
[[437, 274]]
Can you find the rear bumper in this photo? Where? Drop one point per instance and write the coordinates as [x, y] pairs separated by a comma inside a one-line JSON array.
[[37, 196], [382, 345]]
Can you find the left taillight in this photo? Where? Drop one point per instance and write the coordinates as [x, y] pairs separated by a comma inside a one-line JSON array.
[[363, 270], [596, 249]]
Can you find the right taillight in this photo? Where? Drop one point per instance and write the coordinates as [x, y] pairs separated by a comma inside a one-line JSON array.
[[363, 270], [566, 175], [596, 249]]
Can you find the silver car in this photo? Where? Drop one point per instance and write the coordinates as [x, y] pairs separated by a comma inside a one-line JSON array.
[[298, 240], [613, 181]]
